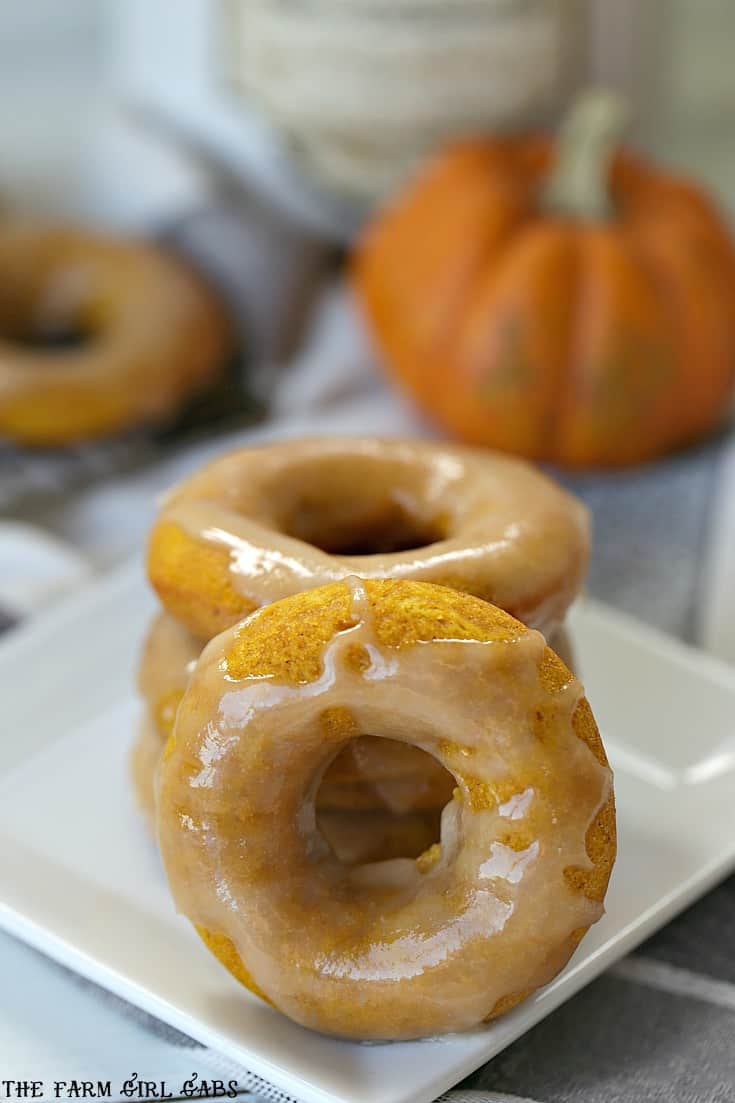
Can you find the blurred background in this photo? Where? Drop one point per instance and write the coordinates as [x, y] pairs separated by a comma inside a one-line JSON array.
[[259, 141], [197, 61]]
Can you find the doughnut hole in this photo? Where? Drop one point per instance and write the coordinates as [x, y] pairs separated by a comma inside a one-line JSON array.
[[360, 509], [382, 799], [49, 339], [48, 310], [386, 529]]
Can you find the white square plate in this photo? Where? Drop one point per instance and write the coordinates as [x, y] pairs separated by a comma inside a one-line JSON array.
[[80, 879]]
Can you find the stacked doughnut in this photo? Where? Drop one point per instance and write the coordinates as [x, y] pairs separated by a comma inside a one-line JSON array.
[[268, 522], [317, 594]]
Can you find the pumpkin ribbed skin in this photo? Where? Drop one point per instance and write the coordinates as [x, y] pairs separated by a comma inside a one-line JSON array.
[[578, 340]]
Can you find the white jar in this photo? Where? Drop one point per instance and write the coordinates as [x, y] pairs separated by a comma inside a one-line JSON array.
[[362, 90]]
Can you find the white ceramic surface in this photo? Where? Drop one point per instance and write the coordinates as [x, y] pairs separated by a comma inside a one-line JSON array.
[[80, 880]]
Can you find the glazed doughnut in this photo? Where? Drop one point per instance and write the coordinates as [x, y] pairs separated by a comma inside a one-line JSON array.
[[266, 522], [399, 949], [151, 335], [366, 777]]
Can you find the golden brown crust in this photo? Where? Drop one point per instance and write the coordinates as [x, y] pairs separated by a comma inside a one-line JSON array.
[[602, 834], [192, 582], [152, 334], [224, 950], [290, 638]]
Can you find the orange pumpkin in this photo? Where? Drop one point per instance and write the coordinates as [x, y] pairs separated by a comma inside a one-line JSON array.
[[554, 300]]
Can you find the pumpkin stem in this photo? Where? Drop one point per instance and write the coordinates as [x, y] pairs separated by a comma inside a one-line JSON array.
[[578, 184]]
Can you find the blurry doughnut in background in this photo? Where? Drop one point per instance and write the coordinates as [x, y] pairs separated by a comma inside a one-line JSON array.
[[99, 334]]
